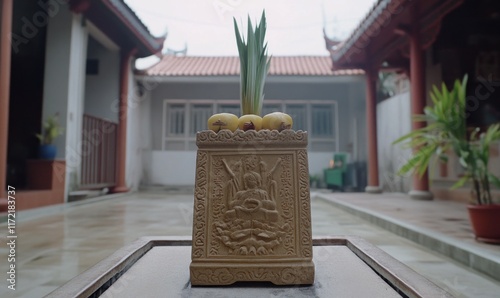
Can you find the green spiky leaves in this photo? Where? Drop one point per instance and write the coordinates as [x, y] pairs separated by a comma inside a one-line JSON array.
[[446, 131], [254, 65]]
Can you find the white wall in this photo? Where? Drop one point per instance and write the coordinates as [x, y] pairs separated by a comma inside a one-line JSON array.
[[138, 133], [172, 168], [102, 90], [64, 85], [356, 123], [392, 157], [318, 161], [177, 168]]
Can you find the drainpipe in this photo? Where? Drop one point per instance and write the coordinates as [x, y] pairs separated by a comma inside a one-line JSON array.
[[371, 130], [121, 157], [5, 60]]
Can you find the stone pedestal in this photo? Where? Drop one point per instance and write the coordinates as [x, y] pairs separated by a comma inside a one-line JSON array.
[[252, 216]]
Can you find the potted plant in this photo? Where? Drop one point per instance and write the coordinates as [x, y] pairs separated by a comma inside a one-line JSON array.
[[50, 130], [447, 131]]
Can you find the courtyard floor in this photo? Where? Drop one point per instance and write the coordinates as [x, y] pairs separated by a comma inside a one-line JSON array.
[[57, 243]]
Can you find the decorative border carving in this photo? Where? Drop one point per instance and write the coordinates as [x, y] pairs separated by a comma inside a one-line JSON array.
[[200, 206], [278, 275], [304, 202], [239, 138]]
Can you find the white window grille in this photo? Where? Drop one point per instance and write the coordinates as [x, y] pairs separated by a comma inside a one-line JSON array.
[[229, 108], [298, 112], [322, 116], [272, 107], [199, 117], [183, 118], [175, 118]]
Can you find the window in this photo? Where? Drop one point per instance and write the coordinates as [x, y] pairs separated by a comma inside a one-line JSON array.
[[199, 117], [299, 115], [269, 108], [184, 118], [229, 108], [175, 118], [322, 120]]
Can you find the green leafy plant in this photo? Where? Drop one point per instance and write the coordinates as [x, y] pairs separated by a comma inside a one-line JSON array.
[[254, 65], [447, 131], [50, 130]]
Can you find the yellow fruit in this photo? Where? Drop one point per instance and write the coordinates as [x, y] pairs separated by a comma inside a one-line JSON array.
[[250, 121], [221, 121], [277, 121]]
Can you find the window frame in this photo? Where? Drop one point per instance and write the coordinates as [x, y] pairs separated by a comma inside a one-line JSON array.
[[187, 138]]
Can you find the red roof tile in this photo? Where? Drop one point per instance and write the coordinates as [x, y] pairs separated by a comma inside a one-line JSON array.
[[230, 66]]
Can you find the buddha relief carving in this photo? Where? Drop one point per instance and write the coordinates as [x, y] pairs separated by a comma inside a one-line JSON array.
[[251, 224]]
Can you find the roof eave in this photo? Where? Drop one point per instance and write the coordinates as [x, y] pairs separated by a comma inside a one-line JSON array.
[[148, 44], [391, 20], [126, 21], [156, 79], [355, 44]]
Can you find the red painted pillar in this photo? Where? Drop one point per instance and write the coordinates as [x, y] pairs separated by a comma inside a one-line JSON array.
[[121, 144], [371, 130], [417, 79], [5, 52]]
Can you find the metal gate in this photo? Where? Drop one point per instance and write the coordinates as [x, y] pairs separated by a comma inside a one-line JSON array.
[[98, 153]]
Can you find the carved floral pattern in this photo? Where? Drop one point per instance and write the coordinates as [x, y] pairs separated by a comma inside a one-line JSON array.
[[305, 204], [280, 275], [285, 138], [200, 206]]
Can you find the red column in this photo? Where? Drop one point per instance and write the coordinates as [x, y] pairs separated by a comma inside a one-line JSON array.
[[121, 156], [417, 79], [371, 130], [5, 51]]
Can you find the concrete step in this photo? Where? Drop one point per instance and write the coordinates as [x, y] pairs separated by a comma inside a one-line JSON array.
[[486, 261]]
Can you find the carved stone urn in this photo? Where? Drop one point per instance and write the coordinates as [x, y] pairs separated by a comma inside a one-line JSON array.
[[252, 216]]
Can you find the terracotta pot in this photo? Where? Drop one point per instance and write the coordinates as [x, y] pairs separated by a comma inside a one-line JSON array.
[[485, 220]]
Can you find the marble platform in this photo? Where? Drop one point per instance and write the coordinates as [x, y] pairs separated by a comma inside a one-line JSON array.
[[60, 242], [154, 266]]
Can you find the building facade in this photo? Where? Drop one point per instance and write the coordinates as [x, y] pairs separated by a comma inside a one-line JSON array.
[[183, 92], [73, 59], [429, 42]]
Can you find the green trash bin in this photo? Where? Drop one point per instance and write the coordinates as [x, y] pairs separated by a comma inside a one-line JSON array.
[[335, 176]]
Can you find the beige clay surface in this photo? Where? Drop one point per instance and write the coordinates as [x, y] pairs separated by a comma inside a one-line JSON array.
[[252, 215]]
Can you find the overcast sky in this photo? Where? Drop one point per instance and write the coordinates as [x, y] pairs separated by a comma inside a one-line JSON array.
[[294, 27]]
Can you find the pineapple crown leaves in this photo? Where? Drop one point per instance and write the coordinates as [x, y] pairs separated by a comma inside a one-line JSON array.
[[254, 65]]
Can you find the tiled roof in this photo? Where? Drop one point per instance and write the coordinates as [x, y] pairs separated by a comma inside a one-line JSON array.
[[230, 66]]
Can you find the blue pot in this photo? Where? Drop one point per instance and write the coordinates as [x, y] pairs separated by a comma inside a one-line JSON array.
[[47, 151]]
